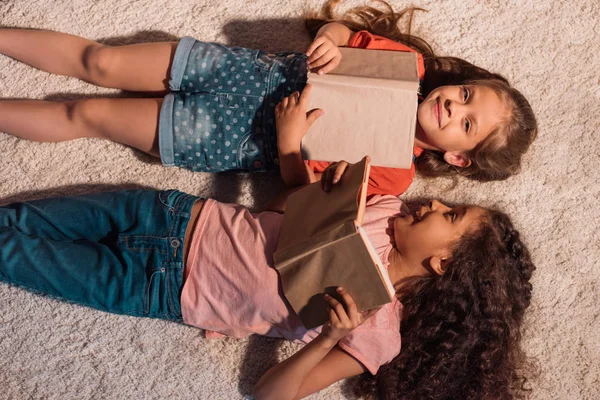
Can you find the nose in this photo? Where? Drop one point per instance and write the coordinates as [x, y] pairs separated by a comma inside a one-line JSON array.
[[448, 107], [435, 205], [453, 108]]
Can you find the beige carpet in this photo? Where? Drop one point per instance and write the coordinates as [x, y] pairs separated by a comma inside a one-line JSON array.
[[547, 48]]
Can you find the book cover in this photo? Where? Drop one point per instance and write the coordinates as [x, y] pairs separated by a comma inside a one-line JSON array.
[[370, 102], [322, 246]]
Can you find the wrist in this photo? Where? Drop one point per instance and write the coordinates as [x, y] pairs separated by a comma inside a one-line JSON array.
[[288, 146], [326, 33], [326, 341], [337, 32]]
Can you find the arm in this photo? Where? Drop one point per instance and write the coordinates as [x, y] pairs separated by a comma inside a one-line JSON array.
[[321, 362], [329, 177], [323, 53], [292, 121], [337, 32]]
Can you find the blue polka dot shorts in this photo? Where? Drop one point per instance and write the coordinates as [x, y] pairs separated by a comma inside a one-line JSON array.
[[220, 113]]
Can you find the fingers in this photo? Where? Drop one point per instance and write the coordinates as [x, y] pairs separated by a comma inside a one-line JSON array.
[[333, 318], [332, 174], [295, 97], [314, 45], [323, 46], [328, 62], [324, 180], [323, 55], [339, 171], [313, 115], [338, 310], [348, 317], [290, 100], [330, 66], [324, 59], [351, 309]]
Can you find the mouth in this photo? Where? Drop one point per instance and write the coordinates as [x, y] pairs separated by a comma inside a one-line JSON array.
[[390, 228], [437, 111], [417, 216]]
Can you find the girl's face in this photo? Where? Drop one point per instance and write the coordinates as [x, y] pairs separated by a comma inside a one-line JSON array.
[[454, 119], [433, 231]]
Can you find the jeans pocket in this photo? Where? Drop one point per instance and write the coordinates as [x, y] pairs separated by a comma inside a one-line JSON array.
[[264, 60], [165, 198], [162, 292], [252, 153]]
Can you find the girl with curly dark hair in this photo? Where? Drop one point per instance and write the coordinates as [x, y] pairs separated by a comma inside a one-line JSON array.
[[218, 111], [461, 329], [462, 277]]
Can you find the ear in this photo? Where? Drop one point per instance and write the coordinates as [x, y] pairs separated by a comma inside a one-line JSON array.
[[457, 159], [438, 264]]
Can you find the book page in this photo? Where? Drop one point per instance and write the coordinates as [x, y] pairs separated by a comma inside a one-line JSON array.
[[346, 262], [310, 211], [370, 108], [378, 263], [380, 64], [362, 194]]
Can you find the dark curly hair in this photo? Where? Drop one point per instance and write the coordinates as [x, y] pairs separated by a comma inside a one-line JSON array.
[[460, 331], [495, 158]]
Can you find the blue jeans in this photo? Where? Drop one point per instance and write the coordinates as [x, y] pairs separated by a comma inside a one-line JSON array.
[[220, 114], [120, 252]]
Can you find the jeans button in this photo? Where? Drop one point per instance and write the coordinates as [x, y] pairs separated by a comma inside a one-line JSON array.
[[257, 164], [175, 243]]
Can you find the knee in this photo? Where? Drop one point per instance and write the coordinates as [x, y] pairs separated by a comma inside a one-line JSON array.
[[85, 116], [96, 61]]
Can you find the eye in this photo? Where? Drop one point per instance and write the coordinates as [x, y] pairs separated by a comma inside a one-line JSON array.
[[452, 215], [467, 125], [465, 94]]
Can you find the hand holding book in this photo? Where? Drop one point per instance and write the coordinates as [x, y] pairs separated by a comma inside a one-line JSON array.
[[322, 246], [293, 119], [343, 318], [333, 173]]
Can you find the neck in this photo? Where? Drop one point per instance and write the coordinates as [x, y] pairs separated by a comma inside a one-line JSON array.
[[420, 143], [401, 269]]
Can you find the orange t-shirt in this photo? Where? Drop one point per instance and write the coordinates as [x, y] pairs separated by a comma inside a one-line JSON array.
[[382, 180]]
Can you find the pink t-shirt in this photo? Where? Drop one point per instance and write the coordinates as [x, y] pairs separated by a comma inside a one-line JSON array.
[[231, 287]]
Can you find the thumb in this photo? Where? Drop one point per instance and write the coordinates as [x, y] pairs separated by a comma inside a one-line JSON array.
[[313, 115]]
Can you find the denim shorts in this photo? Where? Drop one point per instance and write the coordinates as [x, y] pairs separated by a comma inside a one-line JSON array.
[[120, 252], [220, 114]]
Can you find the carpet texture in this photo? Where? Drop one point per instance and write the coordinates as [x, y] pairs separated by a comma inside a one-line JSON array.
[[547, 48]]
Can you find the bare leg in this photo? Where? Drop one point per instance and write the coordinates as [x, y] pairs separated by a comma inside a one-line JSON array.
[[133, 122], [139, 67]]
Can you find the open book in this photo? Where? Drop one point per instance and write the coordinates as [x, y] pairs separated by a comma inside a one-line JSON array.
[[322, 246], [370, 102]]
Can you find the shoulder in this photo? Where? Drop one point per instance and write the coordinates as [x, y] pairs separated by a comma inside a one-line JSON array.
[[394, 181], [368, 40], [384, 200], [377, 341]]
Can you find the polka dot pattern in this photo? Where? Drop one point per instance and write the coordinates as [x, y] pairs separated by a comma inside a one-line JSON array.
[[223, 113]]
